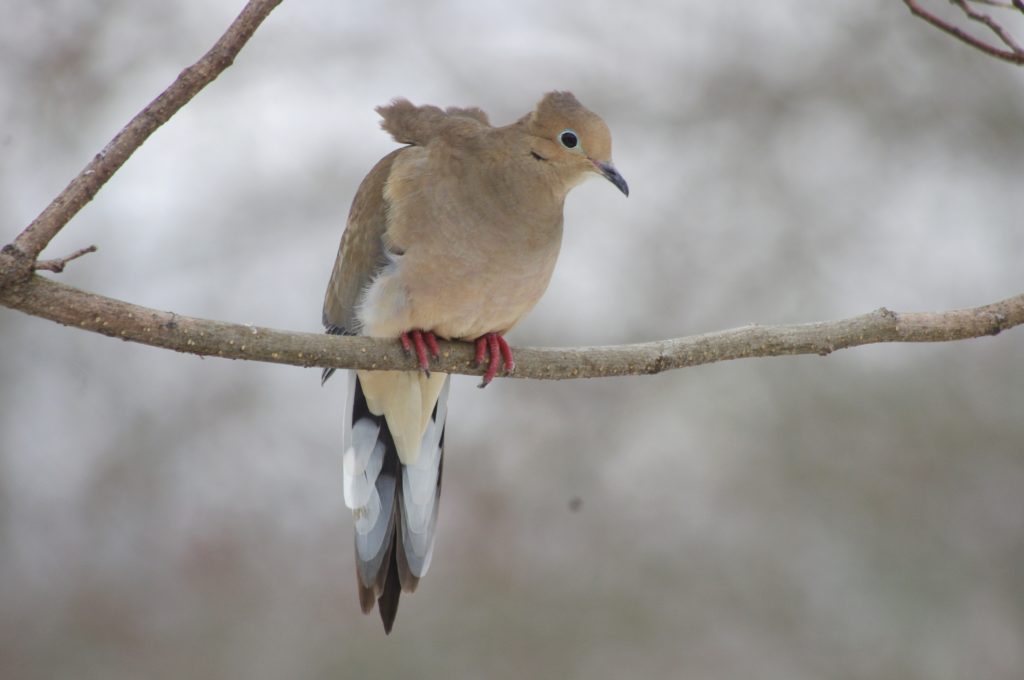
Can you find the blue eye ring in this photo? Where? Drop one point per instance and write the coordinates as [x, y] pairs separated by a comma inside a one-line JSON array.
[[569, 139]]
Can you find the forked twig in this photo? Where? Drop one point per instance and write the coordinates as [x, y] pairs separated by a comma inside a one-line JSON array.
[[1012, 51]]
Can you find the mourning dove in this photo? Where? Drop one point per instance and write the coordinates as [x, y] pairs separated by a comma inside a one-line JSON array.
[[455, 236]]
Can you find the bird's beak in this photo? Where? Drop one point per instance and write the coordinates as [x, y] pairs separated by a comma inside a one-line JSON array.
[[609, 172]]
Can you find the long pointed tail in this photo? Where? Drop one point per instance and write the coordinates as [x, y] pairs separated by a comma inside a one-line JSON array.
[[394, 505]]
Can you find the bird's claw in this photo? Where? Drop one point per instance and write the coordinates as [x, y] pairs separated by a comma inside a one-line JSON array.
[[422, 342], [494, 347]]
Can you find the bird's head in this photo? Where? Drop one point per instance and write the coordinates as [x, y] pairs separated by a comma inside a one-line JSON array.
[[573, 139]]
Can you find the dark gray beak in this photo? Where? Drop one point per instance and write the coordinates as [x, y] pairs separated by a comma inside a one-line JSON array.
[[609, 172]]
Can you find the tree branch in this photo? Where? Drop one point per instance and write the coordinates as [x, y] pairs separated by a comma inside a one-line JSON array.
[[48, 299], [991, 24], [17, 258], [21, 289], [1013, 52]]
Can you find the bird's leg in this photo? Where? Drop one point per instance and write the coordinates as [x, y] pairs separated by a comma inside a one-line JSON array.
[[494, 345], [422, 342]]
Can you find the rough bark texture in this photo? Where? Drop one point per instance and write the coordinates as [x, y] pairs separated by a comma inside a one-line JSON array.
[[73, 307]]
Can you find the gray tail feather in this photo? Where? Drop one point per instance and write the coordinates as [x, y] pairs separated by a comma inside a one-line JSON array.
[[394, 505]]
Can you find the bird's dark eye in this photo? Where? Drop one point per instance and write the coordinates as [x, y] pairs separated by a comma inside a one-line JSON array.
[[568, 139]]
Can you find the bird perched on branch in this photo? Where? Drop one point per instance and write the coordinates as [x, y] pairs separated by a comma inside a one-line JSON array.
[[454, 236]]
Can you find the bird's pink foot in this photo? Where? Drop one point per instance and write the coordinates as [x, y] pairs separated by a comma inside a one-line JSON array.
[[422, 342], [494, 347]]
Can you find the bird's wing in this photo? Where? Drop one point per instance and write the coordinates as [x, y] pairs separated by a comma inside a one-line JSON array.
[[361, 253]]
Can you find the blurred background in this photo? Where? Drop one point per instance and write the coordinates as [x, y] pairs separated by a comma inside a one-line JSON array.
[[857, 516]]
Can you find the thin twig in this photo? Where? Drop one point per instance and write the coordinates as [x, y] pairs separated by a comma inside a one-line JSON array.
[[1002, 4], [991, 24], [72, 307], [58, 264], [17, 258], [1010, 55]]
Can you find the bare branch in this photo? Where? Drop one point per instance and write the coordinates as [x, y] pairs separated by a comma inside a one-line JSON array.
[[17, 258], [58, 264], [72, 307], [1003, 4], [991, 24], [1013, 52], [20, 289]]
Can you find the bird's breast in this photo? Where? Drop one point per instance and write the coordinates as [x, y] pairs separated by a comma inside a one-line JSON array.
[[475, 242], [484, 283]]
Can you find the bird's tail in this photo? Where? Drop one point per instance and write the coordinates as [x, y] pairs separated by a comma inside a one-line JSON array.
[[394, 505]]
